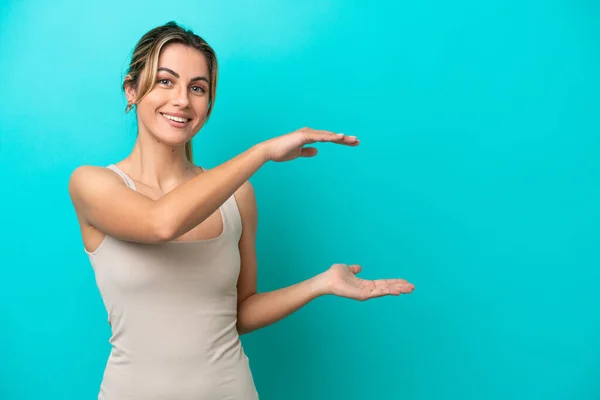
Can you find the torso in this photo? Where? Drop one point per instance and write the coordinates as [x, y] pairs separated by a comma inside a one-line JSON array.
[[173, 309]]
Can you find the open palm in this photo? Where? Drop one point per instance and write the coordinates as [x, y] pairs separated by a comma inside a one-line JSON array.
[[343, 282]]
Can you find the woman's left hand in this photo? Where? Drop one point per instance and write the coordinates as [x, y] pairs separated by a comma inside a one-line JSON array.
[[341, 280]]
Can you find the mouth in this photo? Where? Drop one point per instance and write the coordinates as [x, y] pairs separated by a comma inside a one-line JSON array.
[[177, 122]]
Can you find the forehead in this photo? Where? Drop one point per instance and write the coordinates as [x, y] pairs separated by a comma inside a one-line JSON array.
[[184, 60]]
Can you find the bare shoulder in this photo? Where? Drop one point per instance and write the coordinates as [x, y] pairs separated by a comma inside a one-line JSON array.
[[87, 179], [88, 174]]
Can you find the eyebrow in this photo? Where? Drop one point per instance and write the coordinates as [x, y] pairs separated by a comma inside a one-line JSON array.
[[198, 78]]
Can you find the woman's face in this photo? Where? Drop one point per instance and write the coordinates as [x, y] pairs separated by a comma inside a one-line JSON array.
[[175, 109]]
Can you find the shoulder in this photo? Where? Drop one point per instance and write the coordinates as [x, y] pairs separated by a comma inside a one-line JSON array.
[[88, 177]]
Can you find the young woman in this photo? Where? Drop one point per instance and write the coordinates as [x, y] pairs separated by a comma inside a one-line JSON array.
[[173, 244]]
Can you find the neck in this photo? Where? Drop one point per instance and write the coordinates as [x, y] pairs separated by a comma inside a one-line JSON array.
[[159, 165]]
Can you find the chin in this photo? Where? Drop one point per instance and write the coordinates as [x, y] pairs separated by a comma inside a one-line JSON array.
[[174, 140], [170, 137]]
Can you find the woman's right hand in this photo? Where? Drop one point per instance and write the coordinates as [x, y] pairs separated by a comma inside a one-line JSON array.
[[291, 146]]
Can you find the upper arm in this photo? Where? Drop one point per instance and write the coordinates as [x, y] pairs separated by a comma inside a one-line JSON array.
[[102, 200], [246, 201]]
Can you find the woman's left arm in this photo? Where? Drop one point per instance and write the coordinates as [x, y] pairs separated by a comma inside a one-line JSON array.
[[258, 310]]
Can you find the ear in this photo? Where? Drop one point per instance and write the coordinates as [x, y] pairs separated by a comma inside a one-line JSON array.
[[130, 92]]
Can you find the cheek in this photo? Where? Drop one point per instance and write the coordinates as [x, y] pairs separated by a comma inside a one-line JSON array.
[[149, 104], [201, 107]]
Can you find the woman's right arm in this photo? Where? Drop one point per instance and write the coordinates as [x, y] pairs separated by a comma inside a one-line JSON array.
[[103, 201]]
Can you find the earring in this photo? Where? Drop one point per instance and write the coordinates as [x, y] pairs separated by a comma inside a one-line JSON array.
[[128, 108]]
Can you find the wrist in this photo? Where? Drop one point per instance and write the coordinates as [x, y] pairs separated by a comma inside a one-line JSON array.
[[261, 150], [320, 285]]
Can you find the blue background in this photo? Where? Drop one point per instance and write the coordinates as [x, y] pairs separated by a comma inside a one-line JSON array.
[[477, 179]]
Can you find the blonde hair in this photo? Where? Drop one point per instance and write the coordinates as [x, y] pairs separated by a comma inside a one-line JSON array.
[[142, 70]]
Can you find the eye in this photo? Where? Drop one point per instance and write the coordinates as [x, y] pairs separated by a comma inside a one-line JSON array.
[[164, 81], [198, 89]]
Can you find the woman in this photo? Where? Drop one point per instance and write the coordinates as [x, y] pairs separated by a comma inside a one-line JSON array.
[[173, 245]]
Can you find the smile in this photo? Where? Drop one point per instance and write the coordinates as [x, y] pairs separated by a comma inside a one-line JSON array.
[[175, 119]]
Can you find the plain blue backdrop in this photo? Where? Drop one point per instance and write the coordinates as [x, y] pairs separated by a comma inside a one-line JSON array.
[[477, 179]]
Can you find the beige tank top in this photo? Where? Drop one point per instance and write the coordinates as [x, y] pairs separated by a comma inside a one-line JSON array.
[[172, 308]]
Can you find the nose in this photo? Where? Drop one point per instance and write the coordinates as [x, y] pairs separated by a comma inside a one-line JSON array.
[[181, 97]]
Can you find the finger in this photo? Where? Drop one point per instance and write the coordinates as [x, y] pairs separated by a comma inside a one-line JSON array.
[[391, 282], [386, 282], [380, 292], [352, 142], [396, 282], [308, 152], [402, 288], [326, 136], [348, 141], [355, 268], [321, 135], [396, 286]]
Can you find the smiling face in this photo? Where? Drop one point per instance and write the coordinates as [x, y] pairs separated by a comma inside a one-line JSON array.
[[176, 107]]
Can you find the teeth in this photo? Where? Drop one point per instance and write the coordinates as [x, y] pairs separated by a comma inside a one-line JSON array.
[[177, 119]]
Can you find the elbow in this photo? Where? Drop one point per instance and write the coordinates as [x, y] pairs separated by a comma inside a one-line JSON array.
[[244, 323], [162, 228], [240, 325], [242, 329], [162, 235]]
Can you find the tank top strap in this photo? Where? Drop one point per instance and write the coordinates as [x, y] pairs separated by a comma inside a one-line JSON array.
[[232, 217], [123, 175]]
